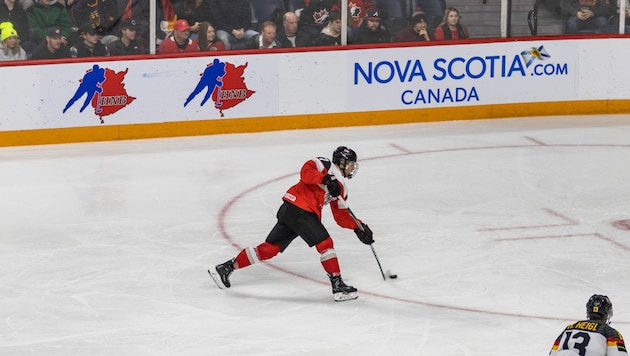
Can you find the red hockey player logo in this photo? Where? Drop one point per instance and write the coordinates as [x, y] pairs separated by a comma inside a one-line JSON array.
[[224, 83], [104, 89]]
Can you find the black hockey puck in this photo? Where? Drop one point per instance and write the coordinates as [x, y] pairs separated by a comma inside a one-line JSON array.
[[393, 276]]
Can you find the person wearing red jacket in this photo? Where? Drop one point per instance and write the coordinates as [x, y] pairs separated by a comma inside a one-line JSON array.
[[321, 182], [179, 41]]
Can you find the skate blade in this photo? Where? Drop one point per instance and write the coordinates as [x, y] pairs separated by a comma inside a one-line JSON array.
[[217, 279], [342, 297]]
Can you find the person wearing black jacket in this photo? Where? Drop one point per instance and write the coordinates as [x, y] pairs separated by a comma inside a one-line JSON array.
[[590, 15], [372, 30], [331, 34], [52, 47], [128, 43], [288, 34], [195, 12], [234, 19], [314, 16], [91, 46], [13, 12]]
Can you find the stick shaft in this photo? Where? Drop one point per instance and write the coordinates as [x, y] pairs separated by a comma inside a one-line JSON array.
[[372, 247], [378, 262]]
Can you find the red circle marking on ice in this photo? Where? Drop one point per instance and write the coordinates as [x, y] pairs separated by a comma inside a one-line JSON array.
[[622, 224], [226, 208]]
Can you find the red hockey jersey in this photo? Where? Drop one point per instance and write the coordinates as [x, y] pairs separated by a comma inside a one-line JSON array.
[[311, 195]]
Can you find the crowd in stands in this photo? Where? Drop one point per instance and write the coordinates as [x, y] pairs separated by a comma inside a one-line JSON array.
[[51, 29]]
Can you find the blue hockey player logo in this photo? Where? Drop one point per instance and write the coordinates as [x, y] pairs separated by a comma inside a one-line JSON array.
[[212, 79], [91, 84]]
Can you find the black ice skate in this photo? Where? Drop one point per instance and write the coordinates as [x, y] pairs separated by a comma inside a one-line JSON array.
[[221, 274], [342, 291]]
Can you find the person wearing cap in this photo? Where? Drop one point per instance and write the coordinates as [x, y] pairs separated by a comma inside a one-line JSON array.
[[91, 46], [234, 18], [47, 13], [416, 31], [179, 41], [10, 49], [372, 30], [128, 43], [52, 47]]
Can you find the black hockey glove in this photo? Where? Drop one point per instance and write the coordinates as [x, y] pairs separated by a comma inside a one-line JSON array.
[[364, 235], [334, 188]]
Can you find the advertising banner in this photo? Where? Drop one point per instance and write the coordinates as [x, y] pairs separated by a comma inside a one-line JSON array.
[[294, 84], [465, 75]]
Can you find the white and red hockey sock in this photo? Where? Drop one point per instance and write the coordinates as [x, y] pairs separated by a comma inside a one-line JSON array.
[[249, 255], [328, 257]]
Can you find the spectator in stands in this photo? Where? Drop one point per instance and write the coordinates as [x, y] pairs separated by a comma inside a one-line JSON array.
[[127, 44], [314, 17], [451, 27], [208, 40], [331, 34], [195, 12], [434, 10], [234, 19], [52, 47], [357, 10], [140, 11], [10, 49], [266, 38], [91, 46], [13, 11], [45, 14], [587, 15], [288, 35], [416, 31], [102, 14], [179, 41], [372, 30], [613, 26]]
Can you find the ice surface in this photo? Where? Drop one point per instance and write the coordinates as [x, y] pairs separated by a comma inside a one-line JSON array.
[[498, 230]]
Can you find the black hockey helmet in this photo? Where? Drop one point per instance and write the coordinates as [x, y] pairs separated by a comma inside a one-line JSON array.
[[341, 156], [599, 307]]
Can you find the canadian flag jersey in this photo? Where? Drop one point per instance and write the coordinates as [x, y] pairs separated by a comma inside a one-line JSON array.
[[358, 10], [311, 194], [316, 12]]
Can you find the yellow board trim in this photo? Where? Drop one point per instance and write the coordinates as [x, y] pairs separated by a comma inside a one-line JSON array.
[[262, 124]]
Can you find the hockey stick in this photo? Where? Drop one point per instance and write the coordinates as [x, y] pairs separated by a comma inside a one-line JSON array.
[[361, 228]]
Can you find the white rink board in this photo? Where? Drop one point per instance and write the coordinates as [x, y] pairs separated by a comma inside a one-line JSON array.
[[302, 83]]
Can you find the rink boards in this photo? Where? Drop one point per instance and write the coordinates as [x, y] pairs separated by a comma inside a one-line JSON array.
[[133, 98]]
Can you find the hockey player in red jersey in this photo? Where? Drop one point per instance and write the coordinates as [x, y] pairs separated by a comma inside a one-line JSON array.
[[321, 182], [591, 337]]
